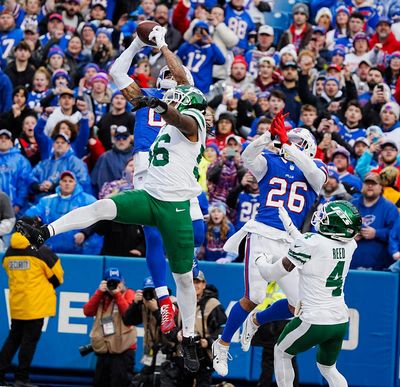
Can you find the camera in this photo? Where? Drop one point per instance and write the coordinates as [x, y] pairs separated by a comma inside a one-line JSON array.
[[112, 284], [230, 153], [84, 350], [149, 294]]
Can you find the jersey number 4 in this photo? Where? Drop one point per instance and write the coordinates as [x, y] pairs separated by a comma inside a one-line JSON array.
[[277, 196], [335, 279]]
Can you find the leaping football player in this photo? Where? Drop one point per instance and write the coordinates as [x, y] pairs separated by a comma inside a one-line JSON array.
[[164, 201], [291, 179]]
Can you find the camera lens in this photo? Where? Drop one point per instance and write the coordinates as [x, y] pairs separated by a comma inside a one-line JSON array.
[[112, 284]]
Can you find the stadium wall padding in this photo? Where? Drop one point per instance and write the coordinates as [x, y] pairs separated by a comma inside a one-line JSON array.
[[370, 355]]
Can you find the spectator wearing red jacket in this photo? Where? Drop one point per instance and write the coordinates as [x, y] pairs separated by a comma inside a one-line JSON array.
[[385, 37]]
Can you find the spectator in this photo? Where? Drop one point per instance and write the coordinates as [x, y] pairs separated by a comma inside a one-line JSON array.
[[390, 117], [374, 78], [360, 78], [10, 35], [45, 176], [113, 342], [7, 221], [71, 16], [26, 142], [55, 33], [385, 37], [65, 111], [75, 59], [308, 114], [85, 84], [15, 171], [110, 165], [352, 127], [40, 89], [244, 200], [56, 60], [224, 127], [32, 298], [389, 178], [267, 76], [103, 50], [210, 154], [118, 116], [199, 55], [173, 37], [6, 91], [88, 36], [338, 35], [379, 216], [300, 32], [13, 119], [69, 195], [219, 230], [20, 71], [240, 22], [145, 310], [361, 145]]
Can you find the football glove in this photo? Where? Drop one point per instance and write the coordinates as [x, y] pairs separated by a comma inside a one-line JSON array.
[[156, 104], [157, 35], [288, 223], [279, 129]]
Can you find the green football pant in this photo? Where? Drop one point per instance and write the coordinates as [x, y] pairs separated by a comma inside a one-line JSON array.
[[171, 218]]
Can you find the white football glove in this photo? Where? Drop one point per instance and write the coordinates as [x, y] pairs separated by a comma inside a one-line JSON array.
[[288, 223], [157, 35]]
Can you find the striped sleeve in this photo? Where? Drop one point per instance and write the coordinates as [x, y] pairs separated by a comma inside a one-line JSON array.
[[198, 116], [299, 252]]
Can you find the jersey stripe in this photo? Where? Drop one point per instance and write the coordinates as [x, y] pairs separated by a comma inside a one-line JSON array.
[[300, 257], [197, 116]]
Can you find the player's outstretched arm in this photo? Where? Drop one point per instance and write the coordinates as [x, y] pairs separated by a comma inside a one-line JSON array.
[[314, 175], [119, 71], [173, 63], [184, 123], [273, 271], [252, 158]]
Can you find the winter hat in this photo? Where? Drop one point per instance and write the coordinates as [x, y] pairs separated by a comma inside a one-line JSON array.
[[202, 24], [213, 146], [99, 77], [393, 55], [60, 73], [105, 31], [392, 106], [327, 79], [91, 66], [342, 8], [217, 206], [360, 36], [323, 11], [289, 49], [332, 172], [301, 8], [339, 50], [341, 151], [239, 59], [55, 50], [116, 92]]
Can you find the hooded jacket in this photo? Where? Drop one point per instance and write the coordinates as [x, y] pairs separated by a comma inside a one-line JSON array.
[[52, 207], [32, 277], [390, 45], [15, 170]]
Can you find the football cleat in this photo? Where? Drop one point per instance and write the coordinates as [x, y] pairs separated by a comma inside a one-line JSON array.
[[249, 330], [167, 315], [36, 236], [221, 355], [190, 360]]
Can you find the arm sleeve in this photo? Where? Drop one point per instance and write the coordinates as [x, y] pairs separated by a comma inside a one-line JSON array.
[[304, 92], [314, 175], [219, 58], [228, 37], [82, 138], [133, 315], [252, 158], [394, 238], [364, 164], [90, 308], [42, 139], [299, 252], [124, 300]]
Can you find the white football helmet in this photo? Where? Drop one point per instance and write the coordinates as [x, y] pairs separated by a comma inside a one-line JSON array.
[[169, 83], [304, 140]]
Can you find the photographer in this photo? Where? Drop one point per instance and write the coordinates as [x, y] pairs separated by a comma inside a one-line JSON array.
[[113, 342], [156, 347]]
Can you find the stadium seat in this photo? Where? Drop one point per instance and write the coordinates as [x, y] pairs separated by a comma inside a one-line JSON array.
[[277, 19], [284, 6]]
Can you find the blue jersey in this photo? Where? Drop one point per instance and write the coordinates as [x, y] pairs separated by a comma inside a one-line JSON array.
[[62, 43], [200, 61], [350, 135], [148, 123], [247, 207], [9, 40], [285, 184], [240, 23]]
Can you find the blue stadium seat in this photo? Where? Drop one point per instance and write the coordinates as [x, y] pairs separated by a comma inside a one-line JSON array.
[[277, 19], [283, 6]]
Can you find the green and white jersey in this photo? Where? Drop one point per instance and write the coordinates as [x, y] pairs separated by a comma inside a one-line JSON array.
[[323, 265], [173, 162]]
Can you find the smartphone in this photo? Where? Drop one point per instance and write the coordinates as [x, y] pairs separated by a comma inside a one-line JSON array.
[[380, 87], [230, 153]]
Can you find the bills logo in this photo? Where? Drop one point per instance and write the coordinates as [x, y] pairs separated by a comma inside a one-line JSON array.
[[368, 220]]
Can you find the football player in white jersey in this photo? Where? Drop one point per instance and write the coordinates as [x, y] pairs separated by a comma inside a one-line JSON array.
[[321, 317], [171, 182]]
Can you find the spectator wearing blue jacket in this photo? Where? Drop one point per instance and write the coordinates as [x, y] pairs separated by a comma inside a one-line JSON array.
[[6, 89], [341, 160], [69, 195], [394, 240], [199, 55], [46, 175], [111, 164], [14, 171], [379, 216], [78, 135]]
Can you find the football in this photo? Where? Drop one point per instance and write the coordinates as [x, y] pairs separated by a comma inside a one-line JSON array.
[[143, 30]]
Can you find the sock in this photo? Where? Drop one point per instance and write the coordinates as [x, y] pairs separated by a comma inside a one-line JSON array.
[[187, 301], [332, 375], [236, 318], [162, 293], [279, 310], [283, 368], [155, 259], [104, 209], [120, 68]]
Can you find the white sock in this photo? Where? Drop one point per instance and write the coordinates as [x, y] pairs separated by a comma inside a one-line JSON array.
[[187, 301], [283, 368], [162, 291], [332, 375], [120, 68], [104, 209]]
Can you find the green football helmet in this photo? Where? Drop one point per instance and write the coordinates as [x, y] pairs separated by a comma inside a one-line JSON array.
[[338, 220], [185, 97]]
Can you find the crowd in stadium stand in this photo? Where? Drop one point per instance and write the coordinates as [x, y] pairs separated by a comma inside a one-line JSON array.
[[66, 131]]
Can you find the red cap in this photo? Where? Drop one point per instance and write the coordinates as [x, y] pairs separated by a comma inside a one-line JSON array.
[[239, 59], [56, 16], [335, 66]]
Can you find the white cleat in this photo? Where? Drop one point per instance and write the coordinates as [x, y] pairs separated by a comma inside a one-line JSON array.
[[221, 356], [249, 330]]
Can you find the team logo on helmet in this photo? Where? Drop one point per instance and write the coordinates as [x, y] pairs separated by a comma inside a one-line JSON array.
[[186, 97]]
